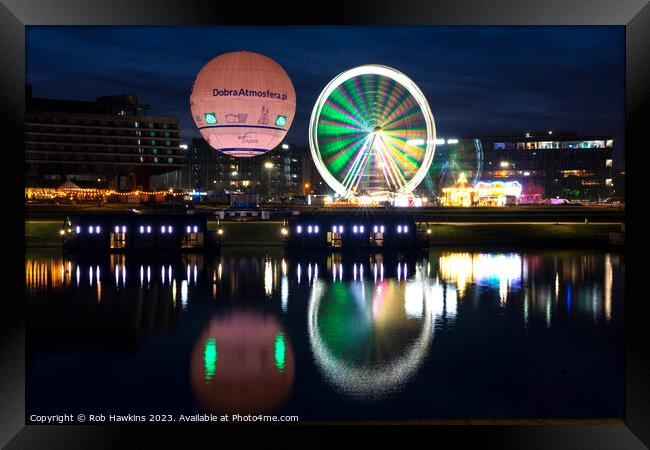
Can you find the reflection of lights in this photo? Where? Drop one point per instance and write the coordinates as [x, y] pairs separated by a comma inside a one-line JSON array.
[[298, 270], [148, 275], [373, 381], [284, 292], [195, 273], [451, 302], [280, 351], [174, 293], [502, 270], [210, 356], [268, 278], [456, 267], [141, 275], [609, 276], [184, 294], [413, 300], [90, 275]]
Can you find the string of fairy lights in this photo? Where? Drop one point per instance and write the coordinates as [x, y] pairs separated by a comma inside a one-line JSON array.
[[32, 192]]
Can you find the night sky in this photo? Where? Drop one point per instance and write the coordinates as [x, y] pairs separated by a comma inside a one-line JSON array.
[[478, 80]]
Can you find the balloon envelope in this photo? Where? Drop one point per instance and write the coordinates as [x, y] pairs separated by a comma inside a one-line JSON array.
[[243, 103]]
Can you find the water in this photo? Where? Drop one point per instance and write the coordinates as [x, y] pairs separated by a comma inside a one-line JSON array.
[[446, 335]]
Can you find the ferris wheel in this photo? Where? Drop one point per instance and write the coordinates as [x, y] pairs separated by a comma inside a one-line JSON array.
[[371, 131]]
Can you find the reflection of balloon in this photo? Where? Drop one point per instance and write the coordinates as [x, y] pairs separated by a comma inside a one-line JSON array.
[[243, 103], [242, 363], [374, 360]]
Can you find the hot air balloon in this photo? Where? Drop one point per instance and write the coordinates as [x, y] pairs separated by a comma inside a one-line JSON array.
[[243, 103]]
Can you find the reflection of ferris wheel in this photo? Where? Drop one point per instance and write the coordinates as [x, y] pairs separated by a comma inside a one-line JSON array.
[[371, 131]]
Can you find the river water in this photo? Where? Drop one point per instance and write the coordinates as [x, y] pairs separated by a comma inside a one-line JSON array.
[[448, 334]]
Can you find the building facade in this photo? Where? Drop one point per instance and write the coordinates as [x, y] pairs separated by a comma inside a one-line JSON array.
[[557, 164], [277, 173], [110, 143]]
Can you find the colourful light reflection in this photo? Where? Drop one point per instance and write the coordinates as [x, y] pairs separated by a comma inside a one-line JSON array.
[[210, 356], [280, 352]]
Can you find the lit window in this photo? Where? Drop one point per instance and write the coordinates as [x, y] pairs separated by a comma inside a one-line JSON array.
[[608, 163], [91, 230], [196, 229], [299, 229], [117, 229], [163, 229], [123, 229], [141, 229], [355, 229], [310, 229], [315, 228], [361, 228], [399, 228], [148, 229]]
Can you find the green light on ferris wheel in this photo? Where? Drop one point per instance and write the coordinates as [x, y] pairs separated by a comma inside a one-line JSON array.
[[281, 120]]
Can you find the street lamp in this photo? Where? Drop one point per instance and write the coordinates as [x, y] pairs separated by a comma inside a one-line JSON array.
[[268, 165]]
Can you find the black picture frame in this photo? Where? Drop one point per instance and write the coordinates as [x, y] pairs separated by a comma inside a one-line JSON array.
[[15, 15]]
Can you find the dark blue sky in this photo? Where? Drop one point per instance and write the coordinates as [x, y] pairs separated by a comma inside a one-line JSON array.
[[478, 80]]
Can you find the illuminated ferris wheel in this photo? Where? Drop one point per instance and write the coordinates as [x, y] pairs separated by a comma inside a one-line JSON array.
[[371, 131]]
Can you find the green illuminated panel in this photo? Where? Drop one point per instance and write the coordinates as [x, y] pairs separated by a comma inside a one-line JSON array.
[[210, 118]]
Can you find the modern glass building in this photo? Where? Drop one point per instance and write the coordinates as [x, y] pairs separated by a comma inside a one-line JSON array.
[[546, 164], [555, 164], [111, 142]]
